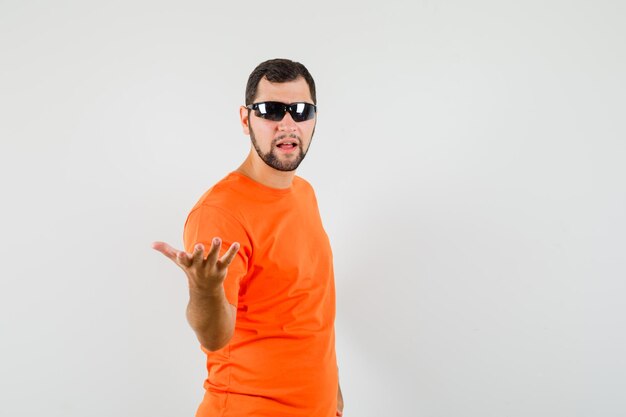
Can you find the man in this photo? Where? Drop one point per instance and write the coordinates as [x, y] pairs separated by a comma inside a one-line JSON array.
[[259, 265]]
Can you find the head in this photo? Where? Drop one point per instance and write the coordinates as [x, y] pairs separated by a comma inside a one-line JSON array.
[[284, 81]]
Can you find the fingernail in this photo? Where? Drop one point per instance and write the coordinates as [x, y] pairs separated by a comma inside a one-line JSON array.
[[216, 241]]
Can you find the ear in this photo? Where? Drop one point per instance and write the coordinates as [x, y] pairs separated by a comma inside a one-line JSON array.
[[245, 120]]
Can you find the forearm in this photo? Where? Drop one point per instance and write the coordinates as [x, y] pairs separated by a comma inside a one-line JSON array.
[[339, 399], [211, 318]]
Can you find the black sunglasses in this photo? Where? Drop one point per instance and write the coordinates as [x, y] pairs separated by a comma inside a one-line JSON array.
[[275, 111]]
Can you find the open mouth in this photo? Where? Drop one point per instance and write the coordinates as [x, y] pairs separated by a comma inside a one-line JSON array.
[[287, 146]]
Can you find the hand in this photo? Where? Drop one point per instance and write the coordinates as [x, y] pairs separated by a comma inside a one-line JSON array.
[[339, 402], [205, 275]]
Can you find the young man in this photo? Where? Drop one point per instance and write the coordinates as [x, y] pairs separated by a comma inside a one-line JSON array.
[[259, 265]]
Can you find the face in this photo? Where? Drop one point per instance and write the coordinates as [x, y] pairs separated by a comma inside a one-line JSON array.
[[269, 137]]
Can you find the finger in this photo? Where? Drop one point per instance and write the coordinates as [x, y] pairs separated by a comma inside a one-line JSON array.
[[215, 251], [184, 259], [198, 254], [180, 258], [165, 249], [228, 257]]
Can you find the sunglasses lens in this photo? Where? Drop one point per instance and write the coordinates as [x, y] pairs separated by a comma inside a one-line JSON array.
[[302, 111], [270, 111], [275, 111]]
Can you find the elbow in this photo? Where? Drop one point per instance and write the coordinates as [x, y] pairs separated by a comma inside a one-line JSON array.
[[212, 348], [214, 344]]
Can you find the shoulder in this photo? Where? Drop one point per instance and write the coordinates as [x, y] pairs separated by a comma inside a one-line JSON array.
[[301, 184], [304, 190], [224, 195], [219, 207]]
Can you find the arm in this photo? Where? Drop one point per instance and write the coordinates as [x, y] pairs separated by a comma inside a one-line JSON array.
[[339, 402], [211, 317], [209, 314]]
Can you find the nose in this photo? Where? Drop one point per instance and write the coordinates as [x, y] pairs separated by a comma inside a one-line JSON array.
[[287, 124]]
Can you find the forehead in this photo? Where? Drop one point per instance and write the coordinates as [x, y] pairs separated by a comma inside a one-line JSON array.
[[288, 92]]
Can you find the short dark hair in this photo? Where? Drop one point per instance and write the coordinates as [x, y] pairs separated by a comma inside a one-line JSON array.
[[278, 71]]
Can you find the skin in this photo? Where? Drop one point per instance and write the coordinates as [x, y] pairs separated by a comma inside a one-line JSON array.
[[209, 313], [266, 131]]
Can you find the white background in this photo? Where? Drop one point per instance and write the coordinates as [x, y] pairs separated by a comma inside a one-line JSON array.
[[468, 162]]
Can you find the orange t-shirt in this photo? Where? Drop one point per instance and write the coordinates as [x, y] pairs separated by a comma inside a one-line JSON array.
[[281, 359]]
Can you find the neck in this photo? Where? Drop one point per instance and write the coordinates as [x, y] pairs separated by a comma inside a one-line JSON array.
[[254, 167]]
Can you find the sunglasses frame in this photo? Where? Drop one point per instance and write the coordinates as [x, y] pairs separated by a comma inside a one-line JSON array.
[[291, 108]]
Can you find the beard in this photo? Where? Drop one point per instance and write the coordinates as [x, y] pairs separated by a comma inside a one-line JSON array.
[[272, 158]]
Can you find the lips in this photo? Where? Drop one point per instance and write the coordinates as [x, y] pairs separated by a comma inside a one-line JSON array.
[[288, 144], [287, 147], [289, 141]]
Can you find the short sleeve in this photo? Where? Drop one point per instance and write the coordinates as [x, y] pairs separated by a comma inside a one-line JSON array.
[[206, 222]]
